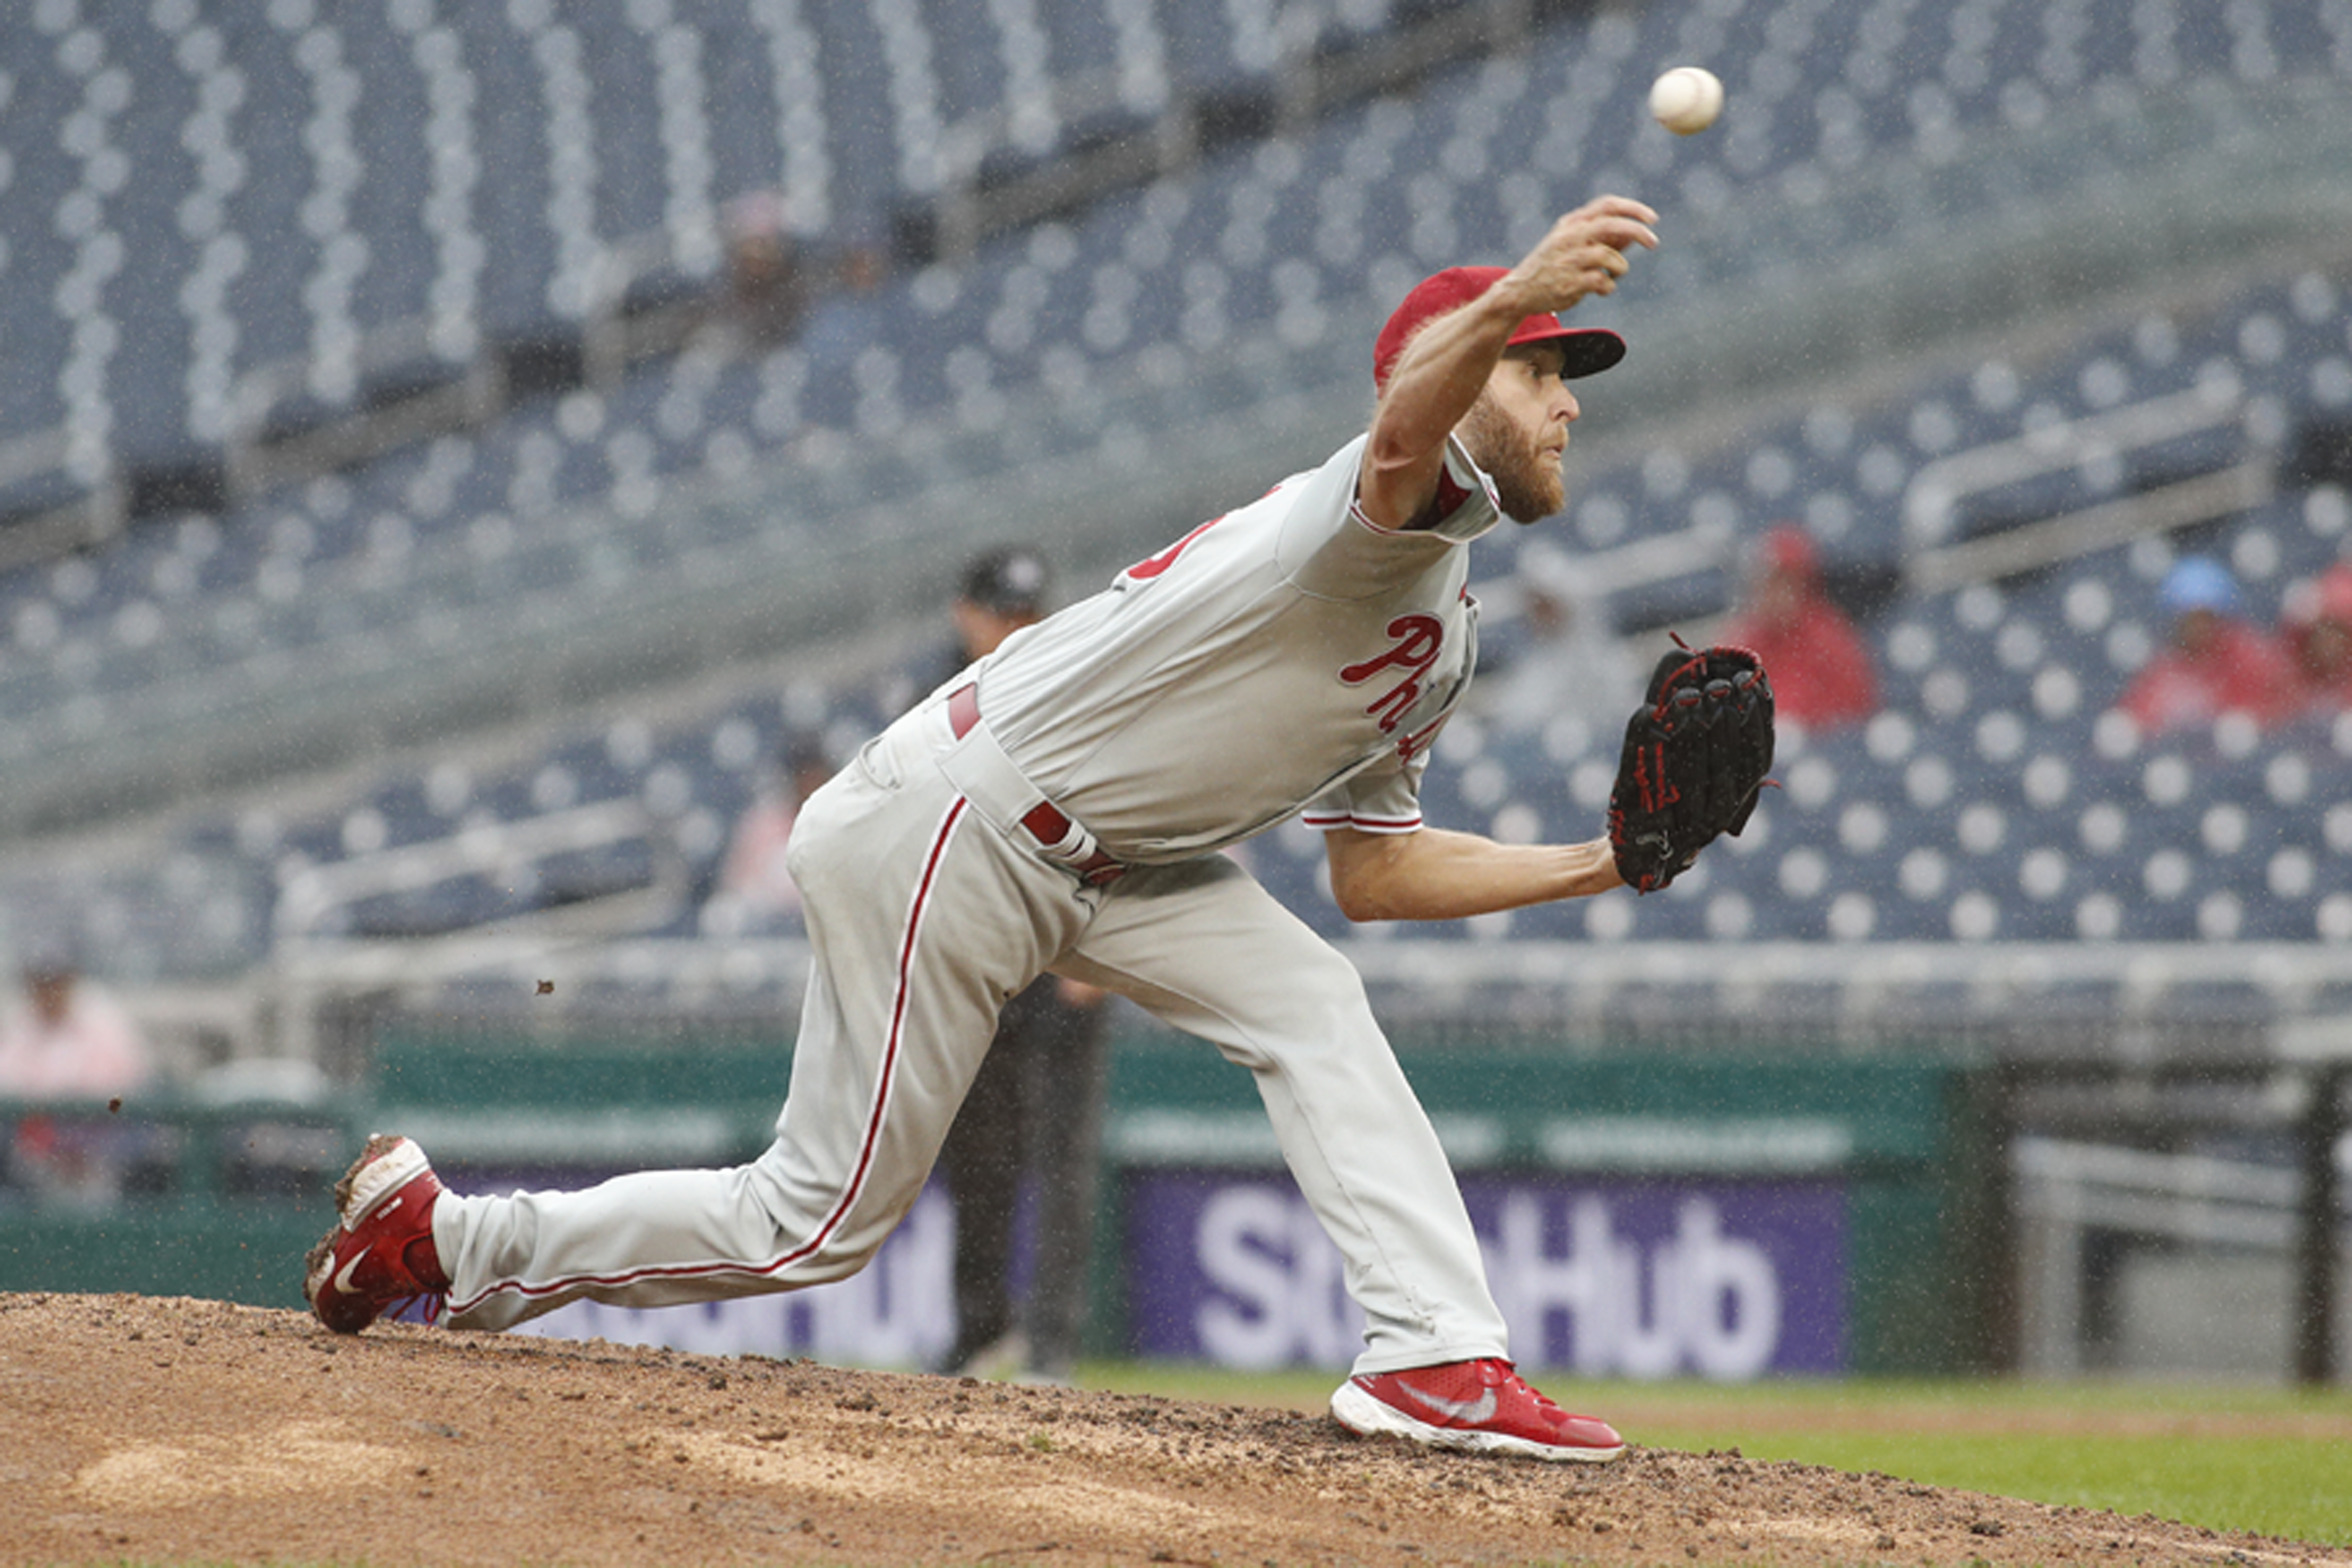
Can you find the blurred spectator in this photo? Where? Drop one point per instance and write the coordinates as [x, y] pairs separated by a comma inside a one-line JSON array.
[[847, 317], [66, 1040], [1036, 1109], [2213, 663], [1821, 671], [766, 284], [2319, 640], [755, 891], [1570, 662]]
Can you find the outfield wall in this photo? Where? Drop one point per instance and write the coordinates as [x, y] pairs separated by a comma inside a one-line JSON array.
[[1643, 1215]]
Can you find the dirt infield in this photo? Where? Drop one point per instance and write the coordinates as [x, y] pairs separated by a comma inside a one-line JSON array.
[[151, 1431]]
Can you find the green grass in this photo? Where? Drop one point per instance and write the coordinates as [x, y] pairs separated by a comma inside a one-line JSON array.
[[2231, 1458]]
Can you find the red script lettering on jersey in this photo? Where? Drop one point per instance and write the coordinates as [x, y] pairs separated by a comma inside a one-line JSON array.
[[1418, 639], [1150, 566]]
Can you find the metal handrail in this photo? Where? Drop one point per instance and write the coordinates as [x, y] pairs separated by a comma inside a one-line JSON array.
[[310, 893]]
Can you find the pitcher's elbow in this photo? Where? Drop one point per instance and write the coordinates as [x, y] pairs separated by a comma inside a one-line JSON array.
[[1363, 905]]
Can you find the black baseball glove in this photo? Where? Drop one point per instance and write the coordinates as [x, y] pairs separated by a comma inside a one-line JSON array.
[[1695, 754]]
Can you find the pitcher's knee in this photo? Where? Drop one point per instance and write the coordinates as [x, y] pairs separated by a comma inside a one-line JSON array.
[[1333, 1015], [819, 1234]]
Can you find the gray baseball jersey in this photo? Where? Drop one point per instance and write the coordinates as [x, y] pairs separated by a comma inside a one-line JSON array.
[[1288, 653], [1058, 806]]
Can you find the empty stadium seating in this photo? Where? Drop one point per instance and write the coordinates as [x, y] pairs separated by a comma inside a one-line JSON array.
[[1992, 799], [197, 204]]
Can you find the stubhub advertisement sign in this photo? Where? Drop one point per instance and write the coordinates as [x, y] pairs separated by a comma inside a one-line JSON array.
[[1715, 1279]]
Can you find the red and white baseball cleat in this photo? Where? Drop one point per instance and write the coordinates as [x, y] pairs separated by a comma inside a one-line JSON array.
[[380, 1255], [1484, 1406]]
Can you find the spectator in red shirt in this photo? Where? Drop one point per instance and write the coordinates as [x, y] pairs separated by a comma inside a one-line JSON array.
[[1822, 671], [2319, 639], [2215, 662]]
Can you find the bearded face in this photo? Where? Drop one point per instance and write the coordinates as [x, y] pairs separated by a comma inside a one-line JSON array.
[[1527, 479]]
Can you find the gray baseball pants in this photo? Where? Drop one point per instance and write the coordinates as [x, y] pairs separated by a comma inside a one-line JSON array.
[[923, 916]]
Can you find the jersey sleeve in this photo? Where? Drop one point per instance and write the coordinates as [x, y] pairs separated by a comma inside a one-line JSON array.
[[1378, 800], [1330, 549], [1465, 504]]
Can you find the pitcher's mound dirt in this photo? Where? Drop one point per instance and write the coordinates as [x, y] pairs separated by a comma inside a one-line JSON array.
[[153, 1431]]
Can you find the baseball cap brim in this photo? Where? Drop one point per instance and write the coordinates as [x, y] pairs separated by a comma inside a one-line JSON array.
[[1588, 350]]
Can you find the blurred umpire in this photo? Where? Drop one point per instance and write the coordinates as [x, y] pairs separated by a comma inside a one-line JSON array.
[[1037, 1106]]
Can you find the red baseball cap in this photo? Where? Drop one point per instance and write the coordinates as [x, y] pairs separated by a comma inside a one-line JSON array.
[[1591, 349]]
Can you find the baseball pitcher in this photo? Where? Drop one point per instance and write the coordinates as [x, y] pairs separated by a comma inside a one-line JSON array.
[[1057, 806]]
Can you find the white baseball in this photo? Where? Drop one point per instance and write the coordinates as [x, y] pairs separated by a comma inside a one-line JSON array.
[[1686, 99]]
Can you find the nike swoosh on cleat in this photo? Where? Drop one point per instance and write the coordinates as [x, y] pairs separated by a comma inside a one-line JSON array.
[[1470, 1411], [344, 1280]]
